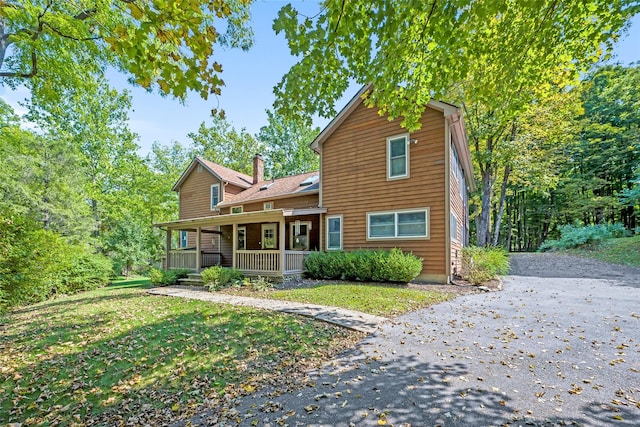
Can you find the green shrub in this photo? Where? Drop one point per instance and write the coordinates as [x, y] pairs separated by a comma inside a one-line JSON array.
[[364, 265], [572, 236], [258, 283], [36, 264], [167, 277], [480, 265], [218, 277]]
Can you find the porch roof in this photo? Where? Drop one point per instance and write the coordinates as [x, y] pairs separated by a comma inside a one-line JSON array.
[[270, 215]]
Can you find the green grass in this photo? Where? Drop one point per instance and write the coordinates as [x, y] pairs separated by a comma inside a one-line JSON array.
[[104, 356], [130, 281], [380, 300], [623, 250]]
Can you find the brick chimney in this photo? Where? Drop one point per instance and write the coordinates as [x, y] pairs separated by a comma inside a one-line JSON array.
[[258, 169]]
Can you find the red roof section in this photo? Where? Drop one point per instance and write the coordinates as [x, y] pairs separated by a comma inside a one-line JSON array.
[[226, 174], [286, 186]]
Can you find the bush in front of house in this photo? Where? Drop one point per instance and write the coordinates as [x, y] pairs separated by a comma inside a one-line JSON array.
[[218, 277], [364, 265], [167, 277], [572, 236], [480, 265]]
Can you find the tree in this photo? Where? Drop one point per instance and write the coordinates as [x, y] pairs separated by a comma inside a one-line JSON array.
[[287, 146], [49, 44], [223, 144], [495, 58]]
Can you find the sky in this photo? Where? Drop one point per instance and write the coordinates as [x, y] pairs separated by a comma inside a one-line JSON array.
[[249, 78]]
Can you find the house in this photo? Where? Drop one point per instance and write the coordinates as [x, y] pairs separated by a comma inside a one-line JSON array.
[[379, 186]]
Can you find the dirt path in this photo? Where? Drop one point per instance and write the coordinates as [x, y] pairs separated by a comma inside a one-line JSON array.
[[566, 266]]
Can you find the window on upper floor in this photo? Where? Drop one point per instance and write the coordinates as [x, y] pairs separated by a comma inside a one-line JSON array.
[[267, 205], [237, 209], [398, 156], [398, 224], [334, 233], [215, 195]]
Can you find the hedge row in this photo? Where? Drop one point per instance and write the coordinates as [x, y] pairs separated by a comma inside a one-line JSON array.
[[364, 265]]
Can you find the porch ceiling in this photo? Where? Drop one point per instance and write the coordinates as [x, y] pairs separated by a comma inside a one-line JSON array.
[[272, 215]]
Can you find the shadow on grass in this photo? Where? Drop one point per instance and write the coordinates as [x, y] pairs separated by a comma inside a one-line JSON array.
[[151, 373]]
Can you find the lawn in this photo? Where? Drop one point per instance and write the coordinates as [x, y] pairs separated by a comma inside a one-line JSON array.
[[118, 355], [624, 250], [381, 300]]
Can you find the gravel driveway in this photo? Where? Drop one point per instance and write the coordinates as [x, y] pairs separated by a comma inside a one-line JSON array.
[[545, 351]]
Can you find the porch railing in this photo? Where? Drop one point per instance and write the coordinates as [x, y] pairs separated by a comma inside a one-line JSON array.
[[294, 261], [258, 262], [182, 259]]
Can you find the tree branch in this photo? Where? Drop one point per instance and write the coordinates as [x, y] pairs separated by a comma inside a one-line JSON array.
[[61, 34]]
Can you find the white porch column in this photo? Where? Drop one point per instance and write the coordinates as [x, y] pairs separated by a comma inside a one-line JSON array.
[[198, 255], [168, 251], [282, 242], [234, 243]]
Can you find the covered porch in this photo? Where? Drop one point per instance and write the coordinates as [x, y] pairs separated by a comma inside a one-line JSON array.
[[268, 243]]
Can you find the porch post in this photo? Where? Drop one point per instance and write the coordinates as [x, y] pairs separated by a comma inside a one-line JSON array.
[[282, 242], [234, 243], [321, 231], [198, 256], [168, 251]]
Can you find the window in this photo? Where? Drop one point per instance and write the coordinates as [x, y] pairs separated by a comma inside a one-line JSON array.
[[215, 195], [453, 226], [236, 210], [184, 239], [242, 239], [400, 224], [299, 235], [334, 233], [455, 164], [267, 206], [269, 237], [398, 156]]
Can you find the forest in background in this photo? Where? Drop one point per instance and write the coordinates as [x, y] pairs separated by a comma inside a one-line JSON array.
[[554, 136]]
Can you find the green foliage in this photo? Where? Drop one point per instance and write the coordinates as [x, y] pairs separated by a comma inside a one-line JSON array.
[[258, 283], [36, 264], [167, 277], [480, 265], [160, 49], [221, 143], [572, 236], [218, 277], [287, 146], [364, 265]]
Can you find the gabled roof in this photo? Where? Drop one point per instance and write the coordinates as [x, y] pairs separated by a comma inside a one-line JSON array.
[[358, 99], [223, 174], [277, 188]]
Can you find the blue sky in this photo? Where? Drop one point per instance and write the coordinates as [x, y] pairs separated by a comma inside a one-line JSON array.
[[250, 78]]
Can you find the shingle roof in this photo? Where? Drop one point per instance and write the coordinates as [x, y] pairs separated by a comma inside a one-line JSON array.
[[286, 186], [220, 172], [227, 174]]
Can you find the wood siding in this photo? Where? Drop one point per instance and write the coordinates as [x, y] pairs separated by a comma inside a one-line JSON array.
[[195, 194], [460, 211], [354, 182]]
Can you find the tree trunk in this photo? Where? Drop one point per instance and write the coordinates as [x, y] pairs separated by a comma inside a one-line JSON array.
[[483, 219], [503, 193]]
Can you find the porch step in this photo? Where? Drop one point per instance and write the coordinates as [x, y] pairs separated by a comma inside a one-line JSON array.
[[193, 279]]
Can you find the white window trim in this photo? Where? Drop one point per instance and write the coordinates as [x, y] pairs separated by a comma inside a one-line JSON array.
[[241, 207], [273, 227], [451, 230], [243, 228], [395, 224], [407, 162], [213, 207], [292, 228], [341, 232], [269, 204]]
